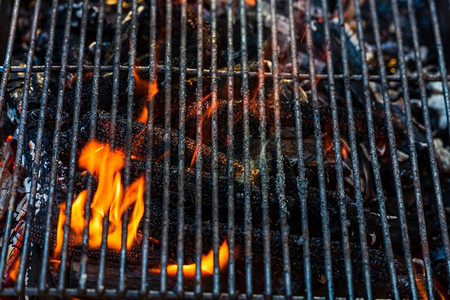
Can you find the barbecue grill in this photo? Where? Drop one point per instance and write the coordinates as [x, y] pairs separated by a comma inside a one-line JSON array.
[[304, 143]]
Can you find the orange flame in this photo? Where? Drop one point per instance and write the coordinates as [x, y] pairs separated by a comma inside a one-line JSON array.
[[207, 264], [206, 115], [15, 270], [420, 283], [441, 290], [344, 153], [420, 278], [110, 196], [144, 85], [251, 2], [143, 116], [344, 149]]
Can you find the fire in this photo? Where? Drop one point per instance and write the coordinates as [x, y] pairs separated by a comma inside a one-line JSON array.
[[419, 278], [345, 148], [251, 2], [206, 115], [144, 85], [143, 116], [344, 153], [110, 197], [441, 290], [15, 270], [420, 283], [207, 264]]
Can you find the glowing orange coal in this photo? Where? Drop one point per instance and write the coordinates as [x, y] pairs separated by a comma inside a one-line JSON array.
[[207, 264], [110, 197]]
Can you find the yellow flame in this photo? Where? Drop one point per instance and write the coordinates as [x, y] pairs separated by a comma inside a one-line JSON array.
[[207, 264], [110, 197]]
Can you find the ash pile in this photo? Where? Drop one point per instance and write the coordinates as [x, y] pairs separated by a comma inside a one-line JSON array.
[[82, 137]]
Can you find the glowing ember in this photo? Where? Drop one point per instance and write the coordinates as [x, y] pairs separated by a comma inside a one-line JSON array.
[[207, 264], [251, 2], [110, 197]]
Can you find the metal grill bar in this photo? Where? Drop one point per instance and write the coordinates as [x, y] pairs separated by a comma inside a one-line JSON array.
[[411, 140], [442, 70], [319, 154], [248, 226], [181, 153], [280, 179], [355, 160], [199, 162], [21, 137], [149, 164], [37, 160], [223, 73], [93, 122], [393, 150], [374, 158], [73, 151], [129, 132], [114, 101], [135, 294], [301, 182], [8, 58], [338, 155], [246, 78], [230, 151], [426, 115], [6, 68], [55, 154], [214, 147], [262, 153], [167, 109]]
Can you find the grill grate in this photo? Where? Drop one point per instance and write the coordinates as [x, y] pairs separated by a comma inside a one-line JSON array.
[[231, 75]]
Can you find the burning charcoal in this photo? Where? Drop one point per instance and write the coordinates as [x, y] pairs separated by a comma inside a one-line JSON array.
[[98, 179], [140, 137]]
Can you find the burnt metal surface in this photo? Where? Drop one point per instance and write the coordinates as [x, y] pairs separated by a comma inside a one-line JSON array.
[[312, 136]]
